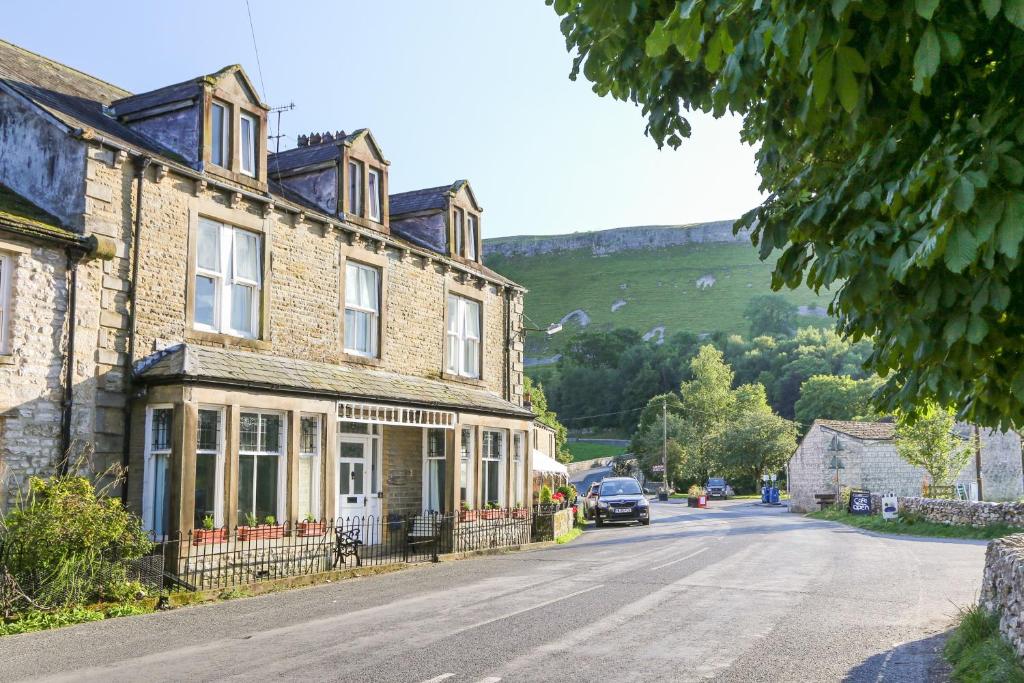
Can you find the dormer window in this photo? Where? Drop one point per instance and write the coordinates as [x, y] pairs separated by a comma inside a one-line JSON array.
[[355, 188], [458, 232], [247, 143], [219, 135], [373, 187], [472, 234]]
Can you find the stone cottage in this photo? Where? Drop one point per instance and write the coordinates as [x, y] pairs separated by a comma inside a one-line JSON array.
[[249, 335], [868, 454]]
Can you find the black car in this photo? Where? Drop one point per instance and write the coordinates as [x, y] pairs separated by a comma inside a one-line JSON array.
[[718, 488], [620, 499]]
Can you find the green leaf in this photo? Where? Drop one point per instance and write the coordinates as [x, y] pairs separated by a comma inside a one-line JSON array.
[[1014, 12], [853, 59], [1012, 169], [846, 85], [991, 7], [963, 194], [926, 59], [838, 7], [976, 330], [926, 8], [821, 81], [952, 48], [989, 215], [658, 41], [960, 249], [1011, 229], [955, 328]]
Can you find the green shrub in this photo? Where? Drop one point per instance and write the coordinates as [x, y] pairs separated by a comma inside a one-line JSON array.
[[978, 652], [65, 545], [695, 490], [545, 495], [38, 620]]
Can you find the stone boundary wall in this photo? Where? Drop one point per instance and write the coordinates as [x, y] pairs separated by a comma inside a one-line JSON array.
[[963, 512], [1002, 587]]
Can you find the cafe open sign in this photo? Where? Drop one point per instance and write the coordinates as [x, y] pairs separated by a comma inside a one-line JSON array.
[[860, 502]]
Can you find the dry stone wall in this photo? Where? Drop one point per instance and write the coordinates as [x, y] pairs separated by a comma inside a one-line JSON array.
[[1002, 587], [964, 512]]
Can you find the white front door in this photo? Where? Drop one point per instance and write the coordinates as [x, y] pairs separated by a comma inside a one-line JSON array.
[[358, 476]]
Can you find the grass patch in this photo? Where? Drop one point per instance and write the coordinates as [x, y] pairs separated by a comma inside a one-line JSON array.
[[913, 526], [38, 620], [570, 535], [978, 652], [584, 450]]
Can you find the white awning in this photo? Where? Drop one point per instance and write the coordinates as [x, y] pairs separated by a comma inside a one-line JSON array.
[[542, 462]]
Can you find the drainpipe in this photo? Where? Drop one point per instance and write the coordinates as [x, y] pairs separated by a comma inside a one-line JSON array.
[[70, 320], [141, 164]]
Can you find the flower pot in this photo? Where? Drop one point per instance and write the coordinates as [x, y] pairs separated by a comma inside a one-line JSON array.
[[260, 532], [691, 502], [702, 501], [201, 536], [519, 513], [491, 514], [312, 528], [469, 515]]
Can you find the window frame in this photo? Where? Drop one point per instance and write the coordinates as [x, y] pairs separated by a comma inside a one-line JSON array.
[[458, 230], [467, 465], [472, 236], [281, 455], [219, 453], [315, 506], [518, 464], [500, 462], [222, 145], [7, 260], [251, 144], [427, 460], [149, 470], [356, 198], [226, 278], [374, 204], [375, 315], [461, 336]]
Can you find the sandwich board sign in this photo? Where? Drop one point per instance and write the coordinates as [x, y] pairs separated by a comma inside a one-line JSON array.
[[890, 506], [860, 502]]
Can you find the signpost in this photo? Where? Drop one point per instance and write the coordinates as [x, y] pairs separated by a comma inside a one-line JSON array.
[[860, 502], [890, 506], [657, 468]]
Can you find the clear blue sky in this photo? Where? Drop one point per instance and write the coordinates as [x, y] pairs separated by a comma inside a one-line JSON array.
[[451, 89]]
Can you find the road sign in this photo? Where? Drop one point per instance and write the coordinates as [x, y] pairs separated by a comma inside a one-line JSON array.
[[657, 468]]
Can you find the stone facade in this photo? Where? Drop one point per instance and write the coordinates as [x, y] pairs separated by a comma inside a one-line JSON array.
[[874, 464], [961, 512], [1002, 588]]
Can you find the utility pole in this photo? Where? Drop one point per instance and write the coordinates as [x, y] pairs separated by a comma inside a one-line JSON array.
[[977, 459], [664, 444]]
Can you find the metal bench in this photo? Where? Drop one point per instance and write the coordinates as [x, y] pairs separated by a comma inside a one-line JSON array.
[[825, 499], [423, 530], [346, 544]]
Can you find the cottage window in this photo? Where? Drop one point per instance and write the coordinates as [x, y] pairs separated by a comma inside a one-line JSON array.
[[458, 232], [518, 476], [463, 337], [471, 236], [156, 508], [260, 447], [209, 467], [374, 189], [355, 188], [466, 467], [6, 275], [247, 143], [362, 309], [309, 466], [219, 134], [228, 279], [434, 474], [493, 468]]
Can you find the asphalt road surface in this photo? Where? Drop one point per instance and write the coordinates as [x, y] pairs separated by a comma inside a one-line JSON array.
[[738, 592]]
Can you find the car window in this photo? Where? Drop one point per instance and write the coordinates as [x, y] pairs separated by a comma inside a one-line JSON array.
[[716, 482], [618, 488]]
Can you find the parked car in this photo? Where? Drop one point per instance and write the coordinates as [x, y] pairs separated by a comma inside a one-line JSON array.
[[719, 488], [620, 499], [590, 500]]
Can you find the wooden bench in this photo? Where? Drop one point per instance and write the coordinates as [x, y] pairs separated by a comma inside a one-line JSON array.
[[346, 544], [825, 499], [423, 531]]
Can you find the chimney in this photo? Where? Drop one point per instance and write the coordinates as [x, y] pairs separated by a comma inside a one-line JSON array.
[[327, 137], [303, 141], [315, 139]]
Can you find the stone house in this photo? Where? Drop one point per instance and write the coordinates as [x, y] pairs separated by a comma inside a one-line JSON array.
[[254, 334], [868, 454]]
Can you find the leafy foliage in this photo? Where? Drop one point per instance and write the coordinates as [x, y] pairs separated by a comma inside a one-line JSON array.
[[770, 314], [835, 397], [978, 652], [756, 440], [539, 404], [927, 439], [890, 144]]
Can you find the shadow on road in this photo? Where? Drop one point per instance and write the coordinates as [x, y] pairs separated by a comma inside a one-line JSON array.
[[918, 660]]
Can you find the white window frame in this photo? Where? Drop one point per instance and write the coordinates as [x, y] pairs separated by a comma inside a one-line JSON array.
[[426, 468], [316, 457], [149, 469], [6, 300], [472, 235], [501, 461], [218, 505], [373, 313], [519, 440], [247, 145], [282, 457], [467, 462], [355, 187], [220, 145], [460, 236], [457, 365], [373, 210], [225, 279]]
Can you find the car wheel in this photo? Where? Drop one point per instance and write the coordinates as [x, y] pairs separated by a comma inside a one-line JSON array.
[[598, 521], [646, 522]]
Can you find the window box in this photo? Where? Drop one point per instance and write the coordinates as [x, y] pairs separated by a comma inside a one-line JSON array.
[[520, 513], [469, 515], [260, 532], [201, 536], [492, 514], [312, 528]]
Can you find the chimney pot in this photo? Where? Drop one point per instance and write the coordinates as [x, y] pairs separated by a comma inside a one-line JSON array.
[[314, 139], [327, 137], [303, 141]]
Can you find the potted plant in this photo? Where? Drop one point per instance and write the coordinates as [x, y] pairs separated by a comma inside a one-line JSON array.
[[519, 511], [310, 527], [208, 534], [254, 531], [466, 514], [492, 511], [693, 496]]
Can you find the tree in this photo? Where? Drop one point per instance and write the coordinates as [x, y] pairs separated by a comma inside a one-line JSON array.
[[539, 404], [927, 440], [705, 403], [770, 314], [890, 146], [756, 440], [834, 397]]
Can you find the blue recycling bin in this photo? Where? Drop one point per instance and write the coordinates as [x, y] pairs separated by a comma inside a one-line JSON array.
[[774, 495], [766, 494]]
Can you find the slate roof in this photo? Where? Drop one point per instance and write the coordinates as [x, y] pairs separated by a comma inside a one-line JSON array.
[[187, 90], [188, 362], [298, 157], [20, 216], [427, 199], [866, 431]]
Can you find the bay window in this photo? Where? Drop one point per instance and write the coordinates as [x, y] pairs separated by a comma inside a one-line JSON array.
[[362, 309], [355, 188], [309, 467], [466, 465], [374, 193], [493, 471], [209, 490], [247, 131], [6, 275], [228, 280], [463, 337], [435, 466], [260, 450], [156, 508], [219, 134]]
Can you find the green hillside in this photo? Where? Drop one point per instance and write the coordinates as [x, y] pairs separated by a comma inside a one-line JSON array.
[[693, 288]]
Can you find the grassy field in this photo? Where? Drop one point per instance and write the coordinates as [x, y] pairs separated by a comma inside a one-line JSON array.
[[588, 451], [912, 527], [659, 288]]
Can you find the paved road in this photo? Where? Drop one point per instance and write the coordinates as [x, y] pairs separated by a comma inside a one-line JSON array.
[[736, 593]]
